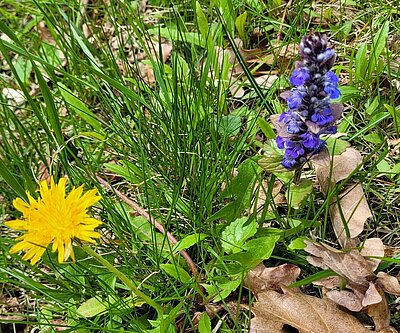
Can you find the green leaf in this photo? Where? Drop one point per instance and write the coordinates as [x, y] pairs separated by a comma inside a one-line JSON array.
[[176, 35], [230, 125], [261, 247], [336, 146], [236, 233], [123, 172], [240, 25], [372, 106], [202, 22], [378, 45], [222, 290], [92, 307], [79, 107], [383, 166], [205, 323], [266, 128], [176, 272], [188, 241], [375, 138], [395, 113], [361, 61], [296, 194], [297, 244]]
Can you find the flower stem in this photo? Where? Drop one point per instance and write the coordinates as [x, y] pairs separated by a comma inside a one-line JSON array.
[[125, 280], [297, 176]]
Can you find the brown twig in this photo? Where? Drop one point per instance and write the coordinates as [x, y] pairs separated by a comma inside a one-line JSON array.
[[155, 223]]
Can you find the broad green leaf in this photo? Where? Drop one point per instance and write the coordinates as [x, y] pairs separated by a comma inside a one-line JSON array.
[[123, 172], [375, 138], [236, 233], [230, 125], [296, 194], [239, 263], [79, 107], [205, 323], [261, 247], [372, 106], [176, 35], [266, 128], [188, 241], [222, 290], [240, 25], [202, 22], [297, 244], [336, 146], [383, 166], [378, 45], [395, 113], [92, 307], [176, 272]]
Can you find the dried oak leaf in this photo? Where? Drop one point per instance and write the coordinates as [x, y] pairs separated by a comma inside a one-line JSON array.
[[264, 278], [352, 208], [305, 313], [364, 290]]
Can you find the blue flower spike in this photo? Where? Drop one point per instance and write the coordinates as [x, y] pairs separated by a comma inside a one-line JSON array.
[[310, 112]]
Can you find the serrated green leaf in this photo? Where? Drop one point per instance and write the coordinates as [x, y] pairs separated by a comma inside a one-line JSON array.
[[236, 233], [176, 272], [296, 194], [92, 307], [188, 241]]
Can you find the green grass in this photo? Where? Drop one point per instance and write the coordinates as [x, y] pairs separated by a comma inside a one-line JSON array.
[[174, 145]]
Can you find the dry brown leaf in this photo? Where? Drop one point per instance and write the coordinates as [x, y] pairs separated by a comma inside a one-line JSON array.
[[354, 207], [332, 169], [351, 265], [307, 314], [271, 278], [373, 247], [364, 290], [380, 314], [345, 298], [388, 283]]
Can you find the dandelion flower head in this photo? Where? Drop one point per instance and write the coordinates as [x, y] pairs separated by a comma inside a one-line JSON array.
[[54, 218]]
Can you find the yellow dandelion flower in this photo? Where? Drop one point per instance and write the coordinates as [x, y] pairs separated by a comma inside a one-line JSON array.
[[54, 219]]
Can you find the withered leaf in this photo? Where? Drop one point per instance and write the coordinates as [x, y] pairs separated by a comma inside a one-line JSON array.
[[373, 247], [262, 278], [388, 283], [332, 169], [353, 207], [307, 314]]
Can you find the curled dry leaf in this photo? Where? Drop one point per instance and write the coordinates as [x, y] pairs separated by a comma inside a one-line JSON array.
[[332, 169], [352, 208], [271, 278], [305, 313], [364, 290]]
